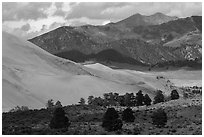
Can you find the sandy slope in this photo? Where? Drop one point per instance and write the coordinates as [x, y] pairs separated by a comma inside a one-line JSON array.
[[31, 76]]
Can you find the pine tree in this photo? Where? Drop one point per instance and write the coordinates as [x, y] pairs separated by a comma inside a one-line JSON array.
[[174, 95], [127, 115], [139, 98], [50, 104], [59, 119], [82, 101], [111, 121], [98, 101], [147, 100], [90, 100], [129, 99], [159, 97], [58, 104]]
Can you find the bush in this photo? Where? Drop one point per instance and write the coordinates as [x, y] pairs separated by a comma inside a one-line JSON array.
[[111, 121], [137, 130], [159, 97], [159, 118], [59, 119], [127, 115], [174, 95]]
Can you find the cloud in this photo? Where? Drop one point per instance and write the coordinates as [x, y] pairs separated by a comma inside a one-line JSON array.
[[63, 9], [23, 11], [31, 18], [25, 27], [85, 20], [118, 11], [92, 10]]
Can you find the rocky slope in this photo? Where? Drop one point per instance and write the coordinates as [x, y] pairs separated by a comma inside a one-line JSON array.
[[139, 38]]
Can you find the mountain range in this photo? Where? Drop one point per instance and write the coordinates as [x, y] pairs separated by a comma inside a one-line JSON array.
[[139, 40]]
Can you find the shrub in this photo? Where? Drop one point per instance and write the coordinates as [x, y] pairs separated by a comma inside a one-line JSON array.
[[137, 130], [159, 97], [111, 121], [185, 95], [159, 118], [59, 119], [174, 95], [127, 115]]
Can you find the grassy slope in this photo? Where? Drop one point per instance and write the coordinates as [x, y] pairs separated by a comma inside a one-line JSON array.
[[183, 118]]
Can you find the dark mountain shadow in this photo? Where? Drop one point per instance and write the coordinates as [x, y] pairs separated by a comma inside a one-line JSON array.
[[108, 55], [198, 22], [193, 64]]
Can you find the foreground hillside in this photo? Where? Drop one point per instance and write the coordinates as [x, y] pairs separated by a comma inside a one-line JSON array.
[[184, 118]]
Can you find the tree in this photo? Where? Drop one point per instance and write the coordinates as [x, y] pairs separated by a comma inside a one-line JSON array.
[[174, 95], [147, 100], [50, 104], [17, 108], [139, 98], [129, 99], [90, 100], [110, 98], [58, 104], [116, 97], [82, 101], [24, 108], [132, 99], [127, 115], [121, 100], [159, 118], [106, 99], [59, 119], [111, 121], [159, 97], [98, 101]]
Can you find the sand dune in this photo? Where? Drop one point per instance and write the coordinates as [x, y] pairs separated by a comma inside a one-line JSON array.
[[31, 76]]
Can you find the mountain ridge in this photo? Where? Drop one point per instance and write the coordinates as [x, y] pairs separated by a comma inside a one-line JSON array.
[[141, 43], [145, 20]]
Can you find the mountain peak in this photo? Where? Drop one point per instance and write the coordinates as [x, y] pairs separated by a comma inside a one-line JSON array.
[[137, 14], [142, 20], [158, 14]]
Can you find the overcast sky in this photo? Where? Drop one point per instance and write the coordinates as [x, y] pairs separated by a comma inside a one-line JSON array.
[[31, 19]]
